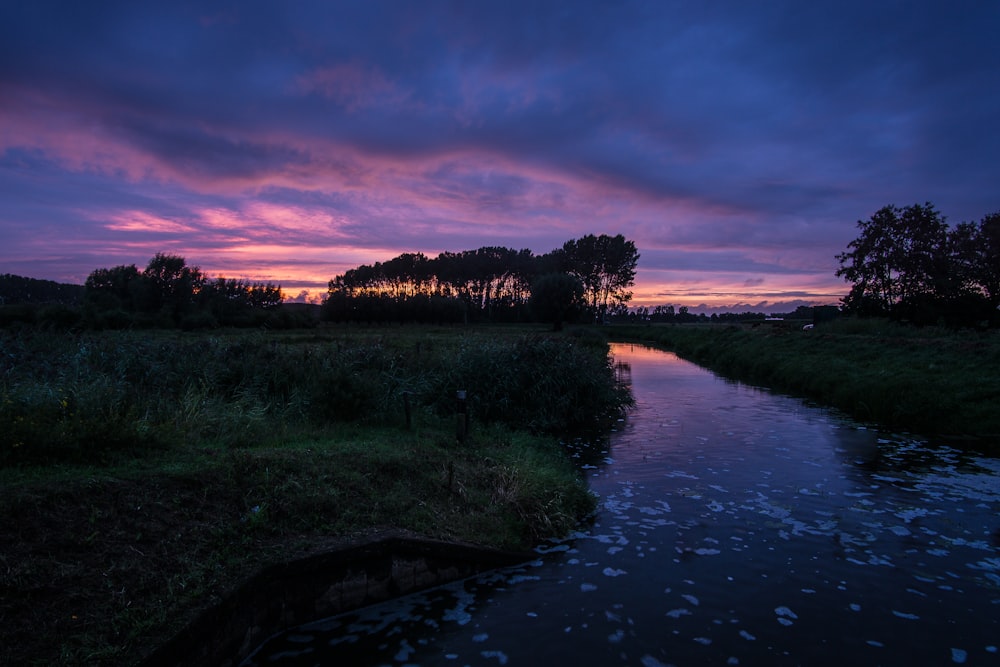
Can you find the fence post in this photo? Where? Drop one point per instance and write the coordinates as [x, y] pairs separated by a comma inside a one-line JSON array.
[[406, 410], [461, 416]]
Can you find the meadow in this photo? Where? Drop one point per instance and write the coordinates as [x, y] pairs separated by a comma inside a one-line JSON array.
[[145, 474], [923, 380]]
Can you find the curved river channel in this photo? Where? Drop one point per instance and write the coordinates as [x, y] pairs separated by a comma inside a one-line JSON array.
[[736, 527]]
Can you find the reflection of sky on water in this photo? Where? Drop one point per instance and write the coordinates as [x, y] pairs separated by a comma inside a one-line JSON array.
[[736, 527]]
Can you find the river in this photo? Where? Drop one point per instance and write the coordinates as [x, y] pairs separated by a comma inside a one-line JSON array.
[[736, 527]]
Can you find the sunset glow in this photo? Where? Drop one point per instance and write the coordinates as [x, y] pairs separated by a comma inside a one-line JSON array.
[[735, 144]]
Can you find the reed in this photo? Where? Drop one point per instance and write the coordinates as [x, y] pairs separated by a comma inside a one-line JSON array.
[[98, 398]]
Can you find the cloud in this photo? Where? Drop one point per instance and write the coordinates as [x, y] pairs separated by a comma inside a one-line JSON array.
[[727, 140], [354, 86]]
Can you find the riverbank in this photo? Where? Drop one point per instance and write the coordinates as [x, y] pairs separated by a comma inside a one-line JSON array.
[[146, 476], [922, 380]]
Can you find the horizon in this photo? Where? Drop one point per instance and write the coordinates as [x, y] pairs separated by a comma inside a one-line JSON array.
[[316, 299], [736, 146]]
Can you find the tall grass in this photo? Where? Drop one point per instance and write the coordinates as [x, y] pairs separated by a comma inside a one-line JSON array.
[[96, 397]]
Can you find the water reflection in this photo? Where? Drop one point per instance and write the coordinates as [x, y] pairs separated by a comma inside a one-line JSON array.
[[736, 527]]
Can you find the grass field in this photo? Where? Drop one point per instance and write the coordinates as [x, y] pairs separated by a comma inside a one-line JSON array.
[[142, 476]]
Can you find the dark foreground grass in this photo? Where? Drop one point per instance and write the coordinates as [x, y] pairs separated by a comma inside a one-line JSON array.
[[225, 454], [925, 381]]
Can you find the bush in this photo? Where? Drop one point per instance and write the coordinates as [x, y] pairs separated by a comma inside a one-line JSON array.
[[546, 385], [201, 319]]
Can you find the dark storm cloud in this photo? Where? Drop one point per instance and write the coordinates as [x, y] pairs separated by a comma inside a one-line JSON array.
[[753, 132]]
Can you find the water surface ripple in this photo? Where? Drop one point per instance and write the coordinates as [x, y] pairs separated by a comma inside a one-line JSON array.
[[736, 527]]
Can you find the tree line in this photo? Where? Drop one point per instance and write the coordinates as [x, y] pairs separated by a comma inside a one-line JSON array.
[[586, 279], [169, 293], [908, 264], [18, 290]]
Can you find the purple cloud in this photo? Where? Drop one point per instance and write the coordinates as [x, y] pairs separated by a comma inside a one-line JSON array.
[[735, 144]]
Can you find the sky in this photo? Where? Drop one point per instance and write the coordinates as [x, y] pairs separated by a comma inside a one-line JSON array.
[[735, 143]]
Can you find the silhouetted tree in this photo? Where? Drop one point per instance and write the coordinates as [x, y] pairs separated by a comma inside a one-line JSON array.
[[116, 287], [22, 290], [976, 257], [556, 298], [899, 257], [170, 293], [606, 266], [907, 263], [663, 314], [173, 285], [492, 282]]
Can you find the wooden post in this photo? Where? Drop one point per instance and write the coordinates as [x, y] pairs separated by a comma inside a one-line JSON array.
[[461, 416], [406, 410]]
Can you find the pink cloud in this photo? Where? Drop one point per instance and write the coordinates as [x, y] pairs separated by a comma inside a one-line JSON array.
[[141, 221], [425, 202]]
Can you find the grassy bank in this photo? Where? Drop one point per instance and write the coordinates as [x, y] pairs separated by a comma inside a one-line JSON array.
[[926, 381], [145, 476]]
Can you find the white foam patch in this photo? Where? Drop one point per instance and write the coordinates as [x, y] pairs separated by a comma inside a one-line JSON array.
[[982, 545], [499, 655], [902, 614], [909, 515], [548, 550], [460, 616], [785, 615], [987, 564], [405, 649]]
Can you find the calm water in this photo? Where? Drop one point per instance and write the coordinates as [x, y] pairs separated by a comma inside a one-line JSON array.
[[736, 527]]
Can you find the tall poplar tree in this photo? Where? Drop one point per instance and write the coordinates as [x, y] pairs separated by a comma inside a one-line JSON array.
[[606, 267]]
